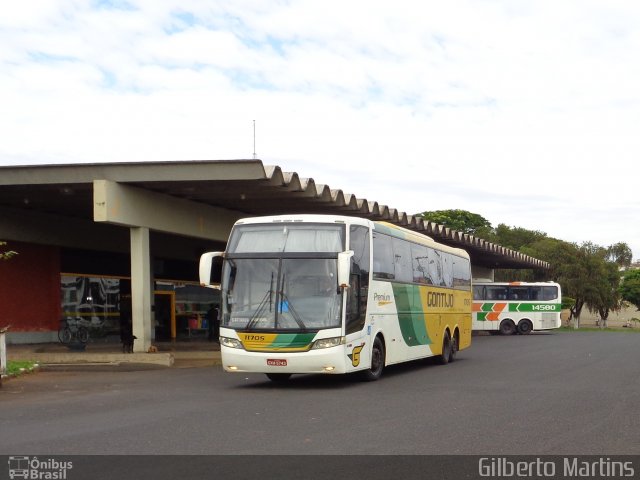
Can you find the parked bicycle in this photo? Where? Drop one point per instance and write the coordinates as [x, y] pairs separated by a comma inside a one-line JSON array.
[[73, 331]]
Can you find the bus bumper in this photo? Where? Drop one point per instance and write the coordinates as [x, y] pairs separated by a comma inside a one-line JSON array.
[[327, 360]]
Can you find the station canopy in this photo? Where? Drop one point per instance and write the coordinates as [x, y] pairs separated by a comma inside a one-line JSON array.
[[244, 187]]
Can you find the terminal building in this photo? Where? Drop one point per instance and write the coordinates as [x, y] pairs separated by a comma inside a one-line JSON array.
[[88, 235]]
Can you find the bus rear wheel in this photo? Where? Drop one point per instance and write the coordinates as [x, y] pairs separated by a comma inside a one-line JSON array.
[[278, 377], [445, 357], [525, 327], [454, 347], [507, 327], [377, 361]]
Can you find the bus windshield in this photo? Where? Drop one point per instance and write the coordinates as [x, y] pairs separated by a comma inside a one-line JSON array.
[[287, 238], [280, 294]]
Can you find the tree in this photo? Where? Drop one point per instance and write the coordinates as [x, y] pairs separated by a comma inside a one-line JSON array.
[[6, 254], [606, 297], [460, 220], [515, 237], [620, 254], [593, 281], [584, 272], [630, 287]]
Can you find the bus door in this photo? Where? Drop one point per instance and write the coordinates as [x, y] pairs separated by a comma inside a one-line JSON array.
[[357, 330]]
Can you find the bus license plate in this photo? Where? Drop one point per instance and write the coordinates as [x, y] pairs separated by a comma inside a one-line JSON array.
[[276, 362]]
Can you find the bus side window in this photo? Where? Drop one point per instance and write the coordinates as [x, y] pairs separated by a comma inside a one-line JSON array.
[[496, 293], [549, 293], [519, 293], [383, 257]]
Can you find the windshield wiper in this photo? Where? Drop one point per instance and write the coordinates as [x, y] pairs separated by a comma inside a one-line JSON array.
[[262, 305], [294, 314]]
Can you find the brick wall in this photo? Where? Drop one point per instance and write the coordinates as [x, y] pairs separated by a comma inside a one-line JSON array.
[[30, 288]]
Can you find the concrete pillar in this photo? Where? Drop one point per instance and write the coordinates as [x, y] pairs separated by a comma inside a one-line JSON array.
[[141, 288]]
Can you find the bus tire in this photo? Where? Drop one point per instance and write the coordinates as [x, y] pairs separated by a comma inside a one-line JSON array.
[[455, 345], [507, 327], [377, 361], [278, 377], [445, 357], [525, 327]]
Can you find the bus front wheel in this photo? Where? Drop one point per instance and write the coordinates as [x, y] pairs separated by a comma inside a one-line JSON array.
[[507, 327], [377, 361]]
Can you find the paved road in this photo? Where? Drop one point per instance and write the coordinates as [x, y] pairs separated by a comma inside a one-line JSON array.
[[542, 394]]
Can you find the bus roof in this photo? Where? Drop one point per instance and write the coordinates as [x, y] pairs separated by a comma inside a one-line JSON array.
[[311, 218], [385, 227]]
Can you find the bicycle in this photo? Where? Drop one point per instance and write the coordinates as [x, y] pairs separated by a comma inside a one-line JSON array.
[[73, 331]]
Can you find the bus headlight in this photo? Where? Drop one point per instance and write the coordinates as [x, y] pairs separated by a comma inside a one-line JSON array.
[[230, 342], [328, 342]]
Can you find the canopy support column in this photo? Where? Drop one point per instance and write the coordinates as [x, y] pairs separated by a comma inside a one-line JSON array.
[[141, 288]]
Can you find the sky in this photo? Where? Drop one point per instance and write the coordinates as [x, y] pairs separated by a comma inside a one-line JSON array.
[[526, 112]]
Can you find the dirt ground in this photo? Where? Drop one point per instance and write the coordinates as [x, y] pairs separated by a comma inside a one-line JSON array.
[[616, 319]]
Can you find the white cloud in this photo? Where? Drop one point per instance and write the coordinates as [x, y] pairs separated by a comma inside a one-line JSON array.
[[524, 112]]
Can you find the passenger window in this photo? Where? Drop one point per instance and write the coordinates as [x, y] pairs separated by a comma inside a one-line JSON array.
[[496, 293], [402, 260], [549, 293], [478, 293], [383, 266], [518, 293], [419, 258]]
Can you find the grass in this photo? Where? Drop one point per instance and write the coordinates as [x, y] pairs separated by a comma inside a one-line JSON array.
[[15, 367], [598, 329]]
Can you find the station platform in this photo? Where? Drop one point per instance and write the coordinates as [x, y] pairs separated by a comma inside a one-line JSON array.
[[181, 354]]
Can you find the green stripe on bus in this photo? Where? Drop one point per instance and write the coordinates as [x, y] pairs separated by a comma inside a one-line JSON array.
[[487, 307], [412, 324], [292, 340], [535, 307]]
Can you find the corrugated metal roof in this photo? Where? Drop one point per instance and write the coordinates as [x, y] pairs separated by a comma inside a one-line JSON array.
[[244, 186]]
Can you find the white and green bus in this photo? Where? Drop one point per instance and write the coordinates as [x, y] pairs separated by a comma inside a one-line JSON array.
[[335, 294], [516, 307]]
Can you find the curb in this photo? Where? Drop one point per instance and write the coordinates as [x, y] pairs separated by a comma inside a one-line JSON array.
[[163, 359]]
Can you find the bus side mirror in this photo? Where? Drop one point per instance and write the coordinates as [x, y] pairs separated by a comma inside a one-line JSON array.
[[210, 269], [344, 268]]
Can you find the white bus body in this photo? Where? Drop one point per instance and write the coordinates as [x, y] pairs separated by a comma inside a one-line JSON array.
[[333, 294], [516, 307]]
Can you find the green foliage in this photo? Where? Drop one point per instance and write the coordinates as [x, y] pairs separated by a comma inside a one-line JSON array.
[[606, 296], [588, 273], [630, 287], [460, 220], [515, 237], [15, 367], [568, 302], [620, 254]]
